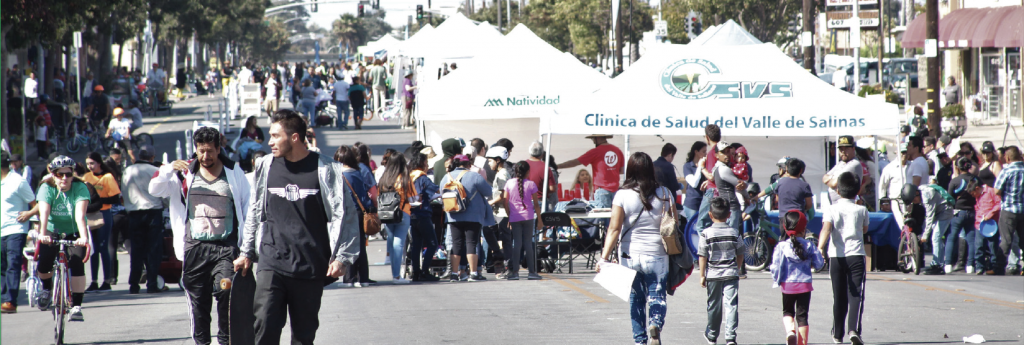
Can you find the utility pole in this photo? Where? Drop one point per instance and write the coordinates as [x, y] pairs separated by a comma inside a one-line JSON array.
[[807, 36], [498, 5], [934, 113], [881, 40], [855, 42]]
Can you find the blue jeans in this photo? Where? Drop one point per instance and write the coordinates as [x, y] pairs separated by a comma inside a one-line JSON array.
[[938, 244], [343, 112], [735, 219], [100, 238], [12, 258], [396, 244], [963, 221], [986, 256], [703, 218], [308, 108], [723, 293], [647, 297], [689, 213], [602, 198], [422, 232]]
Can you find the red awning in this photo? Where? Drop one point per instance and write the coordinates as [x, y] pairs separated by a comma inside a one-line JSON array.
[[972, 27]]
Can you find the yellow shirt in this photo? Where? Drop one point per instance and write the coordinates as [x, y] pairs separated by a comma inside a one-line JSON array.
[[105, 186]]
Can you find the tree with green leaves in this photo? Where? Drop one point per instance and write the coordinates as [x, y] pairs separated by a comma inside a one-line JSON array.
[[767, 20]]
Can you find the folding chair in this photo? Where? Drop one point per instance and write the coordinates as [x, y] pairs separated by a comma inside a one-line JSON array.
[[577, 244]]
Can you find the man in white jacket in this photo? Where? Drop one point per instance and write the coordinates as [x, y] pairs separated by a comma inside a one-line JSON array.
[[209, 199]]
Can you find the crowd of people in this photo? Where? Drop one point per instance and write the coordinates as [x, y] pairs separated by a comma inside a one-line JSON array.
[[467, 205]]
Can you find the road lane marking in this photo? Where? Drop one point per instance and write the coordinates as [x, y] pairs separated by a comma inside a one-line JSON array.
[[956, 291], [590, 295]]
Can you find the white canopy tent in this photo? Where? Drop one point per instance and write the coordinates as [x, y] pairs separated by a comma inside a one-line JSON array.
[[727, 34], [386, 43], [535, 79], [773, 106], [456, 38]]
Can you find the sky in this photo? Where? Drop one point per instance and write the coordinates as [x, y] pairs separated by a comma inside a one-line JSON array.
[[398, 11]]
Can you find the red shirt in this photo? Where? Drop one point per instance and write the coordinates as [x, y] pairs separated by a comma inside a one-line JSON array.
[[709, 163], [537, 174], [606, 162]]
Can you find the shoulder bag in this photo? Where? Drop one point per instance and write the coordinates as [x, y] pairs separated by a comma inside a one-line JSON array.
[[669, 236], [371, 222]]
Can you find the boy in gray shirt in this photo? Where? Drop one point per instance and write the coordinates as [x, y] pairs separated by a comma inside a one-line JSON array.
[[721, 252]]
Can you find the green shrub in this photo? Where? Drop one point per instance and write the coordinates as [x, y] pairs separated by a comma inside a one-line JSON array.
[[953, 110]]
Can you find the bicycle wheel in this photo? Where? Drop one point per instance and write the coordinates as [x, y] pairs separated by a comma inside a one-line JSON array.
[[144, 139], [758, 255], [906, 254], [59, 304], [915, 250], [74, 145]]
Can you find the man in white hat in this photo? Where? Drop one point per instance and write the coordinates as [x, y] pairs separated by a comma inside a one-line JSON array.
[[606, 162]]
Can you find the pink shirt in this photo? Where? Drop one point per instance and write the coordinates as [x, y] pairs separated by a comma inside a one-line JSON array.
[[988, 204], [520, 208]]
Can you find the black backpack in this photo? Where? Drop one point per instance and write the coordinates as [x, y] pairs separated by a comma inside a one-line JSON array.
[[389, 207]]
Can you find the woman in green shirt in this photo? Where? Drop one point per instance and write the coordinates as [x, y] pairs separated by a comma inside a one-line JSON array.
[[62, 203]]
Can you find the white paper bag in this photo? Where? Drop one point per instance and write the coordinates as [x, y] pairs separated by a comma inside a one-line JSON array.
[[616, 278]]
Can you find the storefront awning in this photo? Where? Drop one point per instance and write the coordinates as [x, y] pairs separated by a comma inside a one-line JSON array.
[[997, 27]]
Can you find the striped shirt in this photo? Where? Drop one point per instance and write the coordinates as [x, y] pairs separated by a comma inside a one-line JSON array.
[[1011, 183], [720, 244]]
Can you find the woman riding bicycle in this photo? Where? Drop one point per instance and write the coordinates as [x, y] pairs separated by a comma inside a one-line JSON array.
[[62, 203]]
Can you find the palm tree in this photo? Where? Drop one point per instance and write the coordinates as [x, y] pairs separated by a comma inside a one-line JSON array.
[[349, 29]]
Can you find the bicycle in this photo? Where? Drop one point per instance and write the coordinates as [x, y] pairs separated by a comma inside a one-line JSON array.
[[84, 138], [60, 300], [135, 141], [760, 245], [909, 252]]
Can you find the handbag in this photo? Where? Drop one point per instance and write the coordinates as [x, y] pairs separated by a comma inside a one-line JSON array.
[[669, 236], [371, 223], [94, 220]]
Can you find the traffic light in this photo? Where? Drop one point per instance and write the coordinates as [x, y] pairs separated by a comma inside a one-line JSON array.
[[314, 7], [360, 12], [688, 26], [376, 4], [419, 12]]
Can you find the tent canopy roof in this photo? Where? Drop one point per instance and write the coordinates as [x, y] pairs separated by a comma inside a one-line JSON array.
[[727, 34], [749, 90]]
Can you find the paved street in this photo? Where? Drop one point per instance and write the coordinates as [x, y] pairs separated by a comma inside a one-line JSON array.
[[562, 308]]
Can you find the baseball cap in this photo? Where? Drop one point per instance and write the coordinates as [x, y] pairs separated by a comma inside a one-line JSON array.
[[782, 161], [845, 141], [987, 147], [722, 145], [497, 152], [903, 147], [460, 158]]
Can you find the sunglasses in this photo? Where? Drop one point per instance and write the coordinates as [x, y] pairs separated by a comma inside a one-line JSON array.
[[62, 175]]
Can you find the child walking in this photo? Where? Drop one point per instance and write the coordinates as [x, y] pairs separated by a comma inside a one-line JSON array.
[[843, 225], [520, 193], [791, 270], [721, 254]]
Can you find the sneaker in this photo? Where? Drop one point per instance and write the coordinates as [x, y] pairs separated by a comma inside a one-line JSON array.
[[453, 278], [534, 276], [427, 277], [743, 276], [708, 339], [43, 300], [134, 290], [8, 308], [464, 276], [76, 314], [730, 342], [655, 335], [837, 340], [969, 270], [104, 287], [791, 339], [345, 285], [935, 270], [502, 276], [948, 269], [513, 276], [477, 277], [92, 287], [855, 339], [400, 281]]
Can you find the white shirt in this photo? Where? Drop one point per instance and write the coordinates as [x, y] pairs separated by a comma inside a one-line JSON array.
[[244, 75], [136, 188], [645, 236], [122, 129], [30, 88], [917, 168], [156, 77], [341, 91], [16, 197], [848, 222], [41, 133], [271, 88]]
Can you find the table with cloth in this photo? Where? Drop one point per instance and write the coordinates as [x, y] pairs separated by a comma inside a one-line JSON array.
[[882, 230]]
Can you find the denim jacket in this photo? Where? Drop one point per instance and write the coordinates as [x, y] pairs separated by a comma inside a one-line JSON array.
[[340, 208]]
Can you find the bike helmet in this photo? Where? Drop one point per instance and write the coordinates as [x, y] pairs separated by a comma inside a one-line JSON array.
[[61, 162], [754, 188], [118, 111], [908, 193]]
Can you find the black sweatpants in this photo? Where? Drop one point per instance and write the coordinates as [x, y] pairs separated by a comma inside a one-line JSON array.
[[205, 265], [147, 235], [1009, 224], [848, 281], [279, 297], [119, 232]]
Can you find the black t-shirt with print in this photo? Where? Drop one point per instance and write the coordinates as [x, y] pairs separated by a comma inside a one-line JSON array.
[[295, 242]]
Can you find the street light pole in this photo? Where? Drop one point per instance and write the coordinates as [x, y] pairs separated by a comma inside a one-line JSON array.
[[808, 35], [934, 113], [855, 41]]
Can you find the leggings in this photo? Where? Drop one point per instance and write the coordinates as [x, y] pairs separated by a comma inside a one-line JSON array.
[[796, 306], [465, 236], [100, 238]]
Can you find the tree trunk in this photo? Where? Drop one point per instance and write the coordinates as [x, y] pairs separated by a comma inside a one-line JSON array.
[[618, 38], [4, 126]]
